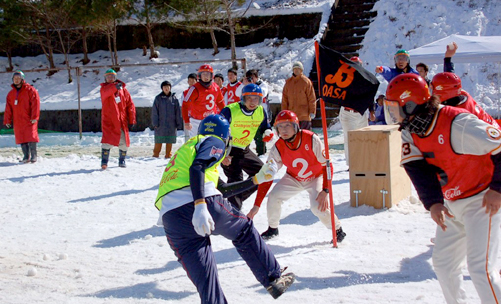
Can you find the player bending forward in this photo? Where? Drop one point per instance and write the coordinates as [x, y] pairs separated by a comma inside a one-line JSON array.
[[302, 152]]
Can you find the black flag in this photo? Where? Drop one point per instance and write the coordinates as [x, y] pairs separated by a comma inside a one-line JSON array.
[[344, 82]]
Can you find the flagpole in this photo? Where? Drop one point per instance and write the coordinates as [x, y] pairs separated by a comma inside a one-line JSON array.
[[326, 145]]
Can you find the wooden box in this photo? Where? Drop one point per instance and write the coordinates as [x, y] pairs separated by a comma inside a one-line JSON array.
[[375, 153]]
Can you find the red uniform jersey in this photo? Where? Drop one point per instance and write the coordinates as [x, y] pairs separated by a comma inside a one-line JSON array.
[[231, 96], [471, 106], [201, 102], [301, 163], [460, 175]]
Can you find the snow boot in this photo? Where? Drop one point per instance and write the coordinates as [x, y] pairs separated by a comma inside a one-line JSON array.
[[26, 153], [280, 285], [340, 234], [121, 159], [270, 233], [33, 151], [105, 155]]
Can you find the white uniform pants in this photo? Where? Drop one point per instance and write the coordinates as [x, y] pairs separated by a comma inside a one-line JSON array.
[[121, 145], [288, 187], [471, 234], [351, 121], [195, 123]]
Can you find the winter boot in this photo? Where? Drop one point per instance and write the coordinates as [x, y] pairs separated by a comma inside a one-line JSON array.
[[33, 151], [121, 159], [269, 234], [105, 155], [340, 234], [280, 285], [26, 153]]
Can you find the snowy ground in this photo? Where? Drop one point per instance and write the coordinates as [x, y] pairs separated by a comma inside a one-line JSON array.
[[91, 237]]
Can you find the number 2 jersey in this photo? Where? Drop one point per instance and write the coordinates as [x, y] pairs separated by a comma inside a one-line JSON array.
[[459, 147], [304, 163], [200, 101]]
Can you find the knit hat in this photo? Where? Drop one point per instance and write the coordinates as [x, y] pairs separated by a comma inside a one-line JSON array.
[[110, 71], [164, 84], [298, 64]]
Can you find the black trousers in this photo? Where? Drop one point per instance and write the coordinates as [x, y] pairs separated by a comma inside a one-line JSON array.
[[243, 160]]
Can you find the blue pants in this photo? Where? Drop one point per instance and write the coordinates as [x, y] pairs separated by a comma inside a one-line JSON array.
[[195, 252]]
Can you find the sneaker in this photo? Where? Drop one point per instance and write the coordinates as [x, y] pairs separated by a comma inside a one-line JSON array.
[[270, 233], [280, 285]]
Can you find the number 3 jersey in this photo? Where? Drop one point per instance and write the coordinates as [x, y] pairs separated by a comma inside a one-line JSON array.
[[202, 102], [459, 145], [305, 162]]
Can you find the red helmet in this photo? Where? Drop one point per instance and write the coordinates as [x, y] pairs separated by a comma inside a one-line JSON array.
[[206, 68], [287, 116], [446, 85], [409, 92], [356, 59]]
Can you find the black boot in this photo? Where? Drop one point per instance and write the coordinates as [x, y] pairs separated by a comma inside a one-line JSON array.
[[105, 155], [121, 159], [33, 151], [280, 285], [26, 153], [270, 233], [340, 234]]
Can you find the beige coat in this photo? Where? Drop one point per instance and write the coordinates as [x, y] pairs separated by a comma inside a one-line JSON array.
[[298, 96]]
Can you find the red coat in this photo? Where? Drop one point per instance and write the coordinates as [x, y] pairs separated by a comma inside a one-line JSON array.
[[20, 115], [116, 116]]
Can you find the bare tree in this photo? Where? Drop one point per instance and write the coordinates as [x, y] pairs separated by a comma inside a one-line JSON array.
[[148, 13]]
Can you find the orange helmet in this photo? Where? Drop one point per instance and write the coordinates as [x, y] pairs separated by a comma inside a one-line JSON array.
[[406, 95], [446, 85], [206, 68]]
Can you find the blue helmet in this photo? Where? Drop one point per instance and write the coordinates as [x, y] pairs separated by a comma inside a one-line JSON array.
[[252, 90], [215, 125]]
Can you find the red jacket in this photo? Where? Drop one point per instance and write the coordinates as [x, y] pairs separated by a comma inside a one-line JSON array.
[[21, 114], [116, 116]]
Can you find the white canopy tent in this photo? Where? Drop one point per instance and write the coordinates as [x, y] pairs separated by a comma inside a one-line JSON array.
[[472, 49]]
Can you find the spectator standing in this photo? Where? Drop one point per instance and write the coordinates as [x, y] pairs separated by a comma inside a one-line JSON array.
[[245, 118], [192, 79], [22, 110], [298, 96], [166, 119], [402, 65], [454, 161], [117, 114], [423, 69], [296, 146], [351, 119], [231, 95], [202, 99], [379, 112], [191, 205]]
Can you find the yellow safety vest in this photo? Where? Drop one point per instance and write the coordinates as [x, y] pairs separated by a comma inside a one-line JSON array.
[[177, 172], [243, 128]]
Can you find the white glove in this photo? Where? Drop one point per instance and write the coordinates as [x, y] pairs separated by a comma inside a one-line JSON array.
[[202, 220], [8, 126], [33, 121], [312, 115], [267, 172]]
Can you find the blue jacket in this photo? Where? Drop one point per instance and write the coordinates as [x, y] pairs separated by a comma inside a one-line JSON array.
[[390, 73]]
